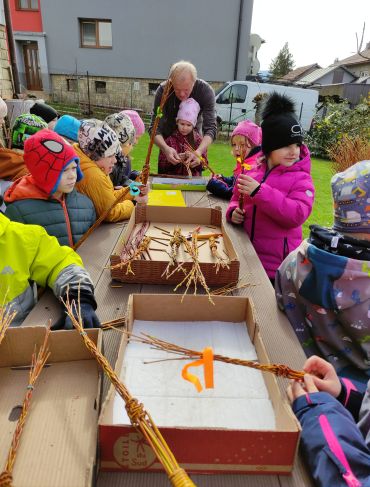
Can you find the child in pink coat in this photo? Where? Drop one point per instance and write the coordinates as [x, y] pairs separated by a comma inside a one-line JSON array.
[[277, 196], [245, 146]]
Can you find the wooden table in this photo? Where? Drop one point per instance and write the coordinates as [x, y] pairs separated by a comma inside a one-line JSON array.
[[277, 334]]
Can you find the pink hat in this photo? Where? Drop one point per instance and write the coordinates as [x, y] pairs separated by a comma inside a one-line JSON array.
[[250, 130], [188, 111], [136, 120]]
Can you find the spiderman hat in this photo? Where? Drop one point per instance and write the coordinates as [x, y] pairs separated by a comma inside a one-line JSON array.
[[46, 155]]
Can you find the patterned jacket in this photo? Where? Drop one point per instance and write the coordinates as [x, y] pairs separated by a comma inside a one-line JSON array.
[[179, 143], [324, 289]]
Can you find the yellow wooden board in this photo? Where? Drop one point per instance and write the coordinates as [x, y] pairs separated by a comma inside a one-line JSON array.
[[165, 197]]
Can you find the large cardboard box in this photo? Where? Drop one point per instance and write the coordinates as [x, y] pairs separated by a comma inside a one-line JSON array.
[[58, 444], [201, 450], [151, 271]]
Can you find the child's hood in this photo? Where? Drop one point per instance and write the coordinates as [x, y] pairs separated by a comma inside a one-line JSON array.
[[331, 281], [24, 188]]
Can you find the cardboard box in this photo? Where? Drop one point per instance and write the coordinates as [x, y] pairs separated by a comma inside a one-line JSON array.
[[58, 443], [202, 450], [151, 271]]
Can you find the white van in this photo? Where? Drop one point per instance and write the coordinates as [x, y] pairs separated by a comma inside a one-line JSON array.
[[234, 101]]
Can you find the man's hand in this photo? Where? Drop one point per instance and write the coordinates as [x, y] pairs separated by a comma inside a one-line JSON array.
[[297, 389], [246, 184], [237, 216], [172, 156], [323, 375]]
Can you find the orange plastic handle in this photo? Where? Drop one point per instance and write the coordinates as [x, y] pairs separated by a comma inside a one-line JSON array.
[[207, 362]]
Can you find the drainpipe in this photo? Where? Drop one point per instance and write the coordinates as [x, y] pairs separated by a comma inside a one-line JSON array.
[[241, 4], [11, 47]]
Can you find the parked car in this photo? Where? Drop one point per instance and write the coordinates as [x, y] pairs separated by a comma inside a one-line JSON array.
[[234, 101]]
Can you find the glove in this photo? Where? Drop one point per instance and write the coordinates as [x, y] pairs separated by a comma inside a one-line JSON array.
[[88, 315]]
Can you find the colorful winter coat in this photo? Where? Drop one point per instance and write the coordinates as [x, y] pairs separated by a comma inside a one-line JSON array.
[[67, 218], [99, 188], [275, 214], [28, 253], [179, 143], [336, 449], [12, 164], [324, 289], [223, 186]]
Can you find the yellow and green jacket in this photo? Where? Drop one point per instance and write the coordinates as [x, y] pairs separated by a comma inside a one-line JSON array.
[[28, 253]]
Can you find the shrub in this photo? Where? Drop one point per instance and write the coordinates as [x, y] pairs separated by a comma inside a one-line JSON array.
[[340, 121]]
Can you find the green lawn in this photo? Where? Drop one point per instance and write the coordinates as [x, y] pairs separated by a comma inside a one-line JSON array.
[[221, 161]]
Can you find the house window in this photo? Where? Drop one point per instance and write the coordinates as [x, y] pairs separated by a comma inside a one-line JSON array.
[[71, 84], [96, 33], [27, 4], [153, 88], [100, 86]]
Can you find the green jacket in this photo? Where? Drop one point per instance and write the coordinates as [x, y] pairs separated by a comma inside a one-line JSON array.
[[28, 253]]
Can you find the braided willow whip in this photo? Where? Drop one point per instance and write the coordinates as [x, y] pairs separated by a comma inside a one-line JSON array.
[[202, 159], [139, 418], [38, 362], [101, 218], [167, 91], [6, 317], [158, 344], [195, 275], [142, 247], [175, 243]]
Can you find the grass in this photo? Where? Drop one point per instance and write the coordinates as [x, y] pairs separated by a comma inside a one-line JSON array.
[[221, 161]]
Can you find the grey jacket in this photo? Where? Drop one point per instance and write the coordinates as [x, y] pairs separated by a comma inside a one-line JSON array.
[[203, 93]]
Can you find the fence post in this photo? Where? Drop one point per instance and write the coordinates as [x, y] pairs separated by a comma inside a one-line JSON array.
[[88, 94]]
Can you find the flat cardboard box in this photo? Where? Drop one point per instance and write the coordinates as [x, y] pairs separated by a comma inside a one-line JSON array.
[[151, 271], [58, 443], [202, 450]]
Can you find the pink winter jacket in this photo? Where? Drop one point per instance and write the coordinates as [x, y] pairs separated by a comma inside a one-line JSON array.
[[275, 214]]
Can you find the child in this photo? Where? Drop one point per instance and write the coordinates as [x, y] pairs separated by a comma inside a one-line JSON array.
[[68, 127], [46, 112], [336, 449], [276, 196], [47, 196], [245, 142], [324, 286], [24, 126], [185, 135], [28, 253], [97, 149], [137, 122], [122, 125]]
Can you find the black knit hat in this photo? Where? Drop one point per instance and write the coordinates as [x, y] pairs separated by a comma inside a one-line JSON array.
[[46, 112], [280, 127]]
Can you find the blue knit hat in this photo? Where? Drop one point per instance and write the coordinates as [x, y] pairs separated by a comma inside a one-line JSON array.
[[68, 126], [351, 195]]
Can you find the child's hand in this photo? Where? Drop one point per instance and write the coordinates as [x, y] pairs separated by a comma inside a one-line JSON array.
[[144, 190], [237, 216], [246, 184], [323, 375], [141, 200], [297, 388]]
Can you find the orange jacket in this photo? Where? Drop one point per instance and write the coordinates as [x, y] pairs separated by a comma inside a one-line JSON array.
[[12, 165]]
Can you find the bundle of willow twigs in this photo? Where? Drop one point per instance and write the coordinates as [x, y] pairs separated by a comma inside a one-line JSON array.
[[233, 286], [37, 364], [142, 247], [158, 344], [167, 91], [139, 418], [175, 243]]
